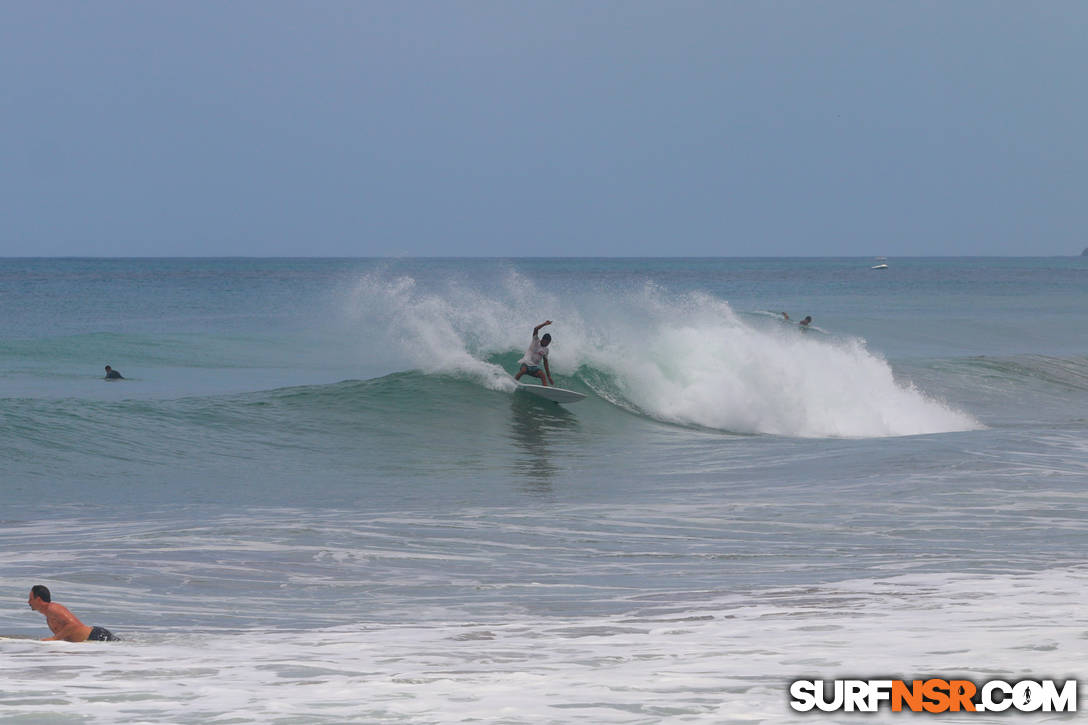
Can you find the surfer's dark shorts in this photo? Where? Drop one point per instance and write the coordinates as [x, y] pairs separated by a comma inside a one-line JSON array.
[[101, 634], [532, 369]]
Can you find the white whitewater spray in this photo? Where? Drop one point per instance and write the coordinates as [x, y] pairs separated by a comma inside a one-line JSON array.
[[449, 331], [684, 359]]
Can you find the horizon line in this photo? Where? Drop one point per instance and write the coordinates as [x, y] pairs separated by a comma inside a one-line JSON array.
[[494, 257]]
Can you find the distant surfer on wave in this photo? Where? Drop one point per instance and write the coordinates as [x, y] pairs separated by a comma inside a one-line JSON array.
[[112, 374], [535, 355], [806, 322], [65, 625]]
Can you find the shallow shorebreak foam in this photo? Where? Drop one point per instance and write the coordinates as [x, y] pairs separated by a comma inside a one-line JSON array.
[[723, 660]]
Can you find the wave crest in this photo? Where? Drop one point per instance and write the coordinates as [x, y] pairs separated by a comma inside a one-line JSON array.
[[685, 359]]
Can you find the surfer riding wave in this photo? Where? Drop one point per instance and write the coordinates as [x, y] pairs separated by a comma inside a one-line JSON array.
[[535, 355]]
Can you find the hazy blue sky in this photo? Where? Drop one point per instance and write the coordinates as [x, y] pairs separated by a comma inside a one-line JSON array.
[[523, 128]]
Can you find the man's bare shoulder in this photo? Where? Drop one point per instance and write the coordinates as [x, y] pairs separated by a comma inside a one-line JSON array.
[[59, 611]]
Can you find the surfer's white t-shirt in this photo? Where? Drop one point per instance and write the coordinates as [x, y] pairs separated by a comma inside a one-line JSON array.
[[535, 353]]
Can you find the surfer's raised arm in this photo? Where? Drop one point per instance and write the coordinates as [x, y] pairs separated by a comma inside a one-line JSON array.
[[536, 330]]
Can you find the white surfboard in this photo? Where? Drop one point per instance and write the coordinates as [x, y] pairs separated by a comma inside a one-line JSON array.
[[550, 392]]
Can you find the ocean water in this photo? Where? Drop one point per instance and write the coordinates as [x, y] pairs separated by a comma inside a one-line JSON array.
[[316, 497]]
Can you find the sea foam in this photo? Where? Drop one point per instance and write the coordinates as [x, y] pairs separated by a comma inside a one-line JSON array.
[[723, 660], [687, 359]]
